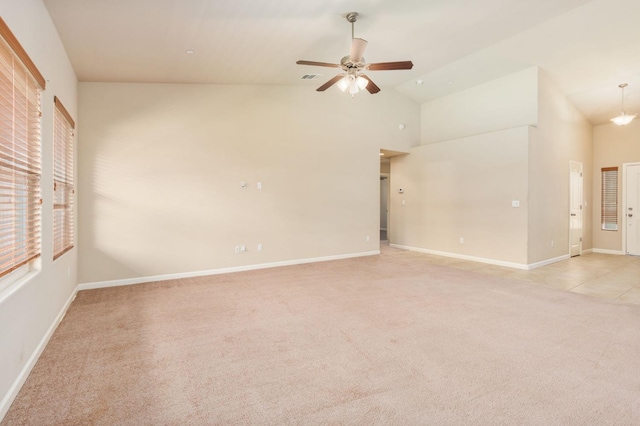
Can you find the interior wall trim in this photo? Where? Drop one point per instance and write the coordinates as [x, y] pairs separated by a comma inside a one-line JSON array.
[[606, 251], [463, 257], [548, 261], [155, 278], [496, 262], [11, 394]]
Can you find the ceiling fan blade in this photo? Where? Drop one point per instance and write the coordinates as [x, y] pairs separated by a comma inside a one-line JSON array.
[[357, 49], [387, 66], [329, 83], [371, 86], [318, 64]]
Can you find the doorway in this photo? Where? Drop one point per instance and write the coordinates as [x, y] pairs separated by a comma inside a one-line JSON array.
[[384, 206], [575, 208], [631, 204]]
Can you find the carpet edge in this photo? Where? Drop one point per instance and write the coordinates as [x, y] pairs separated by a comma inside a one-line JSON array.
[[155, 278], [12, 393]]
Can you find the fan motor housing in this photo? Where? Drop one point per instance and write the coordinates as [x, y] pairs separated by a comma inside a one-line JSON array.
[[346, 63]]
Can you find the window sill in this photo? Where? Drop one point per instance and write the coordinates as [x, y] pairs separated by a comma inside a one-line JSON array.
[[14, 281]]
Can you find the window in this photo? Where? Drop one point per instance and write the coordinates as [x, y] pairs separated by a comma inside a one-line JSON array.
[[20, 202], [63, 189], [609, 205]]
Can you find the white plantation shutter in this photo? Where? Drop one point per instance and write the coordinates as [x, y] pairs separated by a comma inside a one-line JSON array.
[[20, 202], [63, 189], [609, 204]]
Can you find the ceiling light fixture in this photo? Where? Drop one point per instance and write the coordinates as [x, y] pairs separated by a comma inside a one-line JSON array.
[[624, 118], [353, 82], [354, 66]]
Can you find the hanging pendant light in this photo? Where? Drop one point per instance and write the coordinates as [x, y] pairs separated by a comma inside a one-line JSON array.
[[623, 118]]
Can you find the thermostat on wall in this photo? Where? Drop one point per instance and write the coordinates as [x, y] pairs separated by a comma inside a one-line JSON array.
[[400, 190]]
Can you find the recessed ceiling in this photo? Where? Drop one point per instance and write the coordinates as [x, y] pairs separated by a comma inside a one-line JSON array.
[[587, 47]]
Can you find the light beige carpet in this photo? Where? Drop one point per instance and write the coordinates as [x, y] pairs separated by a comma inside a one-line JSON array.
[[389, 339]]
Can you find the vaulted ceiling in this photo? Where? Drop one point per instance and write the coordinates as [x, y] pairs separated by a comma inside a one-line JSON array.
[[586, 47]]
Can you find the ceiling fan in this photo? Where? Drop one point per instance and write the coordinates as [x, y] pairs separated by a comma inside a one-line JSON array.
[[354, 66]]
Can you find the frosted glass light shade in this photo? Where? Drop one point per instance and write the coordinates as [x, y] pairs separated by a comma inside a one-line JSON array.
[[343, 83], [623, 119], [362, 82]]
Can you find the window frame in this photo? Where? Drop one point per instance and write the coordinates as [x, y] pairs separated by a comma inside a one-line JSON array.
[[63, 180], [21, 87], [609, 203]]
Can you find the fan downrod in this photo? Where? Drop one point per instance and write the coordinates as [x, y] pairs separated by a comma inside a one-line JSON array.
[[352, 17]]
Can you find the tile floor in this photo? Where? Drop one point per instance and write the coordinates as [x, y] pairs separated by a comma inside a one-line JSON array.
[[598, 275]]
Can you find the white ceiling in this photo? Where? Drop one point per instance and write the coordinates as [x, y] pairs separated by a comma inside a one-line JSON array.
[[587, 47]]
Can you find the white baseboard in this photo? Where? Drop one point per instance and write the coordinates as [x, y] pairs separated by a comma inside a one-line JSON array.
[[605, 251], [11, 394], [141, 280], [522, 266], [464, 257], [548, 261], [587, 251]]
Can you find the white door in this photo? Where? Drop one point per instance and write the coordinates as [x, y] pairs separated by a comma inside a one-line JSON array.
[[632, 203], [575, 209]]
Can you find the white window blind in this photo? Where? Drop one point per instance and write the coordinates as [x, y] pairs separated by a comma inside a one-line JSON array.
[[63, 189], [20, 202], [609, 203]]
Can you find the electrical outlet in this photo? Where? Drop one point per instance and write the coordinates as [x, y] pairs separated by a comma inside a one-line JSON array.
[[367, 239], [237, 249], [461, 240], [260, 247], [553, 244]]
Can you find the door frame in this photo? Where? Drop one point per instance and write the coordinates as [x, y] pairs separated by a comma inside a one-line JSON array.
[[388, 181], [571, 163], [623, 213]]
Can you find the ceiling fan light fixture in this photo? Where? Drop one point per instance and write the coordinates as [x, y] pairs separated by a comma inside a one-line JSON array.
[[623, 119], [362, 82], [354, 64], [343, 83]]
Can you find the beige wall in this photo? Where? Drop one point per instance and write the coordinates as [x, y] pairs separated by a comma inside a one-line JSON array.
[[30, 306], [464, 188], [161, 166], [472, 165], [500, 104], [612, 146], [562, 135]]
